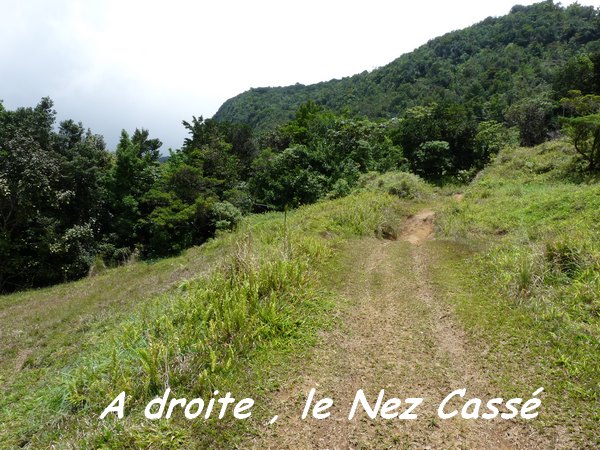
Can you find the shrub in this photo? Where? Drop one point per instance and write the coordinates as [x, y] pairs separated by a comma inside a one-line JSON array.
[[492, 137], [399, 184], [433, 159], [225, 216], [339, 189]]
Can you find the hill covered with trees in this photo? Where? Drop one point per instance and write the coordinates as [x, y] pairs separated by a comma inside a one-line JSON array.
[[69, 206], [494, 69]]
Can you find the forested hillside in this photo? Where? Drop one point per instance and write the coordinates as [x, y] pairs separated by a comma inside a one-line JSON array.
[[494, 69], [69, 206]]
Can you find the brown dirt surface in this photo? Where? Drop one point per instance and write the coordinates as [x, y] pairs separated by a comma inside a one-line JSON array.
[[419, 227], [394, 334]]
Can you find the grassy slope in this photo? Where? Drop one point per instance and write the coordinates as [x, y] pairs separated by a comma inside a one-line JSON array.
[[222, 330], [41, 326], [522, 266], [44, 332], [518, 257]]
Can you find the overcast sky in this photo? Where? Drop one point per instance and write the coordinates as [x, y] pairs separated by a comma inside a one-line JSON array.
[[124, 64]]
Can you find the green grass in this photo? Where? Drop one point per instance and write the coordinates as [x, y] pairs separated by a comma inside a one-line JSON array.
[[518, 257], [33, 323], [261, 298], [526, 279]]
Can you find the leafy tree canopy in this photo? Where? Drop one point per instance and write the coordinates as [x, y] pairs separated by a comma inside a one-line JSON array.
[[538, 50]]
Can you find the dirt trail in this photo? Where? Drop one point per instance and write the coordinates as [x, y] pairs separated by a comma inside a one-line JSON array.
[[394, 335], [418, 227]]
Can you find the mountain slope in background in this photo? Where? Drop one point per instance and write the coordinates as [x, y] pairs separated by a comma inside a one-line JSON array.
[[487, 67]]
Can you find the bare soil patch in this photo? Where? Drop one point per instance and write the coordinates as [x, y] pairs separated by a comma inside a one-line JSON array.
[[419, 227]]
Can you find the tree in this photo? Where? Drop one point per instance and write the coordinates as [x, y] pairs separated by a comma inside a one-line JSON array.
[[174, 225], [210, 149], [595, 58], [286, 179], [186, 204], [28, 178], [53, 188], [446, 122], [135, 172], [583, 127], [491, 137], [576, 74], [577, 104], [533, 117], [584, 134]]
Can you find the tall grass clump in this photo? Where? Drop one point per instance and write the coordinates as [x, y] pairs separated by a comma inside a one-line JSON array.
[[554, 284], [191, 339]]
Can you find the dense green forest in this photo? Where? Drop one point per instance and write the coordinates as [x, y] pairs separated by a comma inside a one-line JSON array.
[[69, 206], [493, 69]]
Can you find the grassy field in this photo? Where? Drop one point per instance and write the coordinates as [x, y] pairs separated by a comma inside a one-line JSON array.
[[526, 279], [85, 342], [517, 257]]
